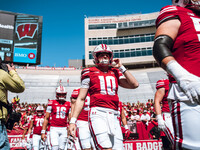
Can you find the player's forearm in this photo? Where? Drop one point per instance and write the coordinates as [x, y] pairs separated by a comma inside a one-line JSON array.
[[29, 130], [159, 95], [24, 133], [157, 108], [78, 107], [124, 121], [133, 83], [165, 61], [72, 108], [45, 123]]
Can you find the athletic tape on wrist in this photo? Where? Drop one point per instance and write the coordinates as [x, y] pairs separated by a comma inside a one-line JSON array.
[[73, 120], [43, 132], [122, 69], [126, 126]]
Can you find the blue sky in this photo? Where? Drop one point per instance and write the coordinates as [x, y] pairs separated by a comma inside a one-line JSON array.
[[63, 22]]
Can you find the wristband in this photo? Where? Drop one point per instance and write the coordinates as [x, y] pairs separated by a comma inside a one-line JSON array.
[[43, 132], [73, 120], [126, 126], [122, 69]]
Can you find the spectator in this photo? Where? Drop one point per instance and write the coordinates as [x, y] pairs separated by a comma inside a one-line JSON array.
[[17, 99], [9, 81], [145, 117], [129, 116], [135, 116], [14, 100]]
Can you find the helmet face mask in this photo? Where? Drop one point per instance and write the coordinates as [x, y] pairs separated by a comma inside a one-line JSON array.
[[40, 110], [61, 93], [181, 3], [102, 49], [193, 4], [104, 58]]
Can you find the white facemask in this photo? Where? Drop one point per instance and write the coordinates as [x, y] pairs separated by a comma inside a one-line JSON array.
[[104, 62]]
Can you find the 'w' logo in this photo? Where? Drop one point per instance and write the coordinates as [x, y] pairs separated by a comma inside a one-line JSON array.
[[26, 30]]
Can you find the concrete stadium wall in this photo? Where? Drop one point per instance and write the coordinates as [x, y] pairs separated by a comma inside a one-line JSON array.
[[41, 84]]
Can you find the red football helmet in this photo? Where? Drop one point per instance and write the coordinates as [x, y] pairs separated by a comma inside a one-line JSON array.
[[189, 3], [61, 93], [102, 48], [75, 93], [40, 110]]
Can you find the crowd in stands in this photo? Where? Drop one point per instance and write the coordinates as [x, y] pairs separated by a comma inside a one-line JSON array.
[[134, 112], [139, 111]]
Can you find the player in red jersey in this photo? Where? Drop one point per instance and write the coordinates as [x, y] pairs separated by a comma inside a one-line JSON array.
[[163, 116], [36, 126], [84, 135], [59, 110], [101, 82], [177, 50], [29, 114]]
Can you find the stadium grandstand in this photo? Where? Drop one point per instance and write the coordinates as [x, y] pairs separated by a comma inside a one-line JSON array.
[[131, 39], [41, 83]]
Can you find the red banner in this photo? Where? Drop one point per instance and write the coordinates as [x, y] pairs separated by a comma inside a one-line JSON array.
[[143, 145], [15, 139]]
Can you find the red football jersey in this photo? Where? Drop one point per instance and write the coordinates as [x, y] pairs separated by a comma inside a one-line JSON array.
[[164, 84], [37, 124], [59, 113], [119, 112], [186, 48], [29, 118], [84, 113], [103, 87]]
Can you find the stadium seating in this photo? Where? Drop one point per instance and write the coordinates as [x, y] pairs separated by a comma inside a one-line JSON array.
[[41, 84]]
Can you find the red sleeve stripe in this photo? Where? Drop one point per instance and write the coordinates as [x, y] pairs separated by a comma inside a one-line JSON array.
[[85, 72], [173, 8], [160, 84]]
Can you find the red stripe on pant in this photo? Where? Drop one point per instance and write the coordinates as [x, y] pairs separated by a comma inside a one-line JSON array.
[[97, 145], [168, 132], [79, 138], [179, 126]]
